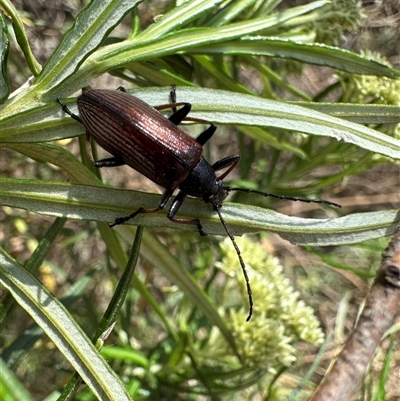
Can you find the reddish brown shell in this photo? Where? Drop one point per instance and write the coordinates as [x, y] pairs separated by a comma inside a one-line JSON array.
[[143, 138]]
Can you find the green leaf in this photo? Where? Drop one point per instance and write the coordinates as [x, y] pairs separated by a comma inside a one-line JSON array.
[[46, 153], [4, 44], [55, 321], [22, 39], [45, 123], [147, 74], [105, 204], [124, 283], [233, 108], [177, 18], [91, 27], [231, 11], [126, 354], [11, 389], [357, 113], [312, 53], [38, 124]]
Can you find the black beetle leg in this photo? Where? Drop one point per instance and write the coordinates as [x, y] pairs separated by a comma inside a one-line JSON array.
[[164, 200], [176, 205]]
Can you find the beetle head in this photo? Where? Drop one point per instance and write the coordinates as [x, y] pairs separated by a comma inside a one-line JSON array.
[[218, 195]]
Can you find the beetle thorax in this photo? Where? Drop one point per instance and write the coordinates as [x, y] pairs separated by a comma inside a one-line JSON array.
[[203, 183]]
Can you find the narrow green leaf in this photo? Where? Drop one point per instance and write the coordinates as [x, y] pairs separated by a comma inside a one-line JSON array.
[[228, 13], [68, 337], [126, 354], [266, 7], [298, 391], [380, 392], [313, 53], [357, 113], [123, 286], [234, 108], [46, 153], [22, 39], [11, 389], [38, 124], [92, 25], [274, 77], [4, 44], [272, 140], [105, 204], [178, 17], [224, 80], [220, 107], [330, 260], [152, 74]]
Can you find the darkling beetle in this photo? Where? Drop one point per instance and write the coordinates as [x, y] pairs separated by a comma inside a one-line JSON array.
[[138, 135]]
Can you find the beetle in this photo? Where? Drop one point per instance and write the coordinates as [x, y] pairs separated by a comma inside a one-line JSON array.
[[138, 135]]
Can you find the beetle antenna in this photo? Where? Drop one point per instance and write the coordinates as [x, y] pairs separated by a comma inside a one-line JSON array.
[[293, 198], [246, 277]]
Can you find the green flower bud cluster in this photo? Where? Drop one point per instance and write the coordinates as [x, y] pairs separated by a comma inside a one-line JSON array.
[[337, 18], [279, 318], [382, 90]]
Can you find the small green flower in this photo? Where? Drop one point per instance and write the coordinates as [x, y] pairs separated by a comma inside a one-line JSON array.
[[370, 88], [279, 317]]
